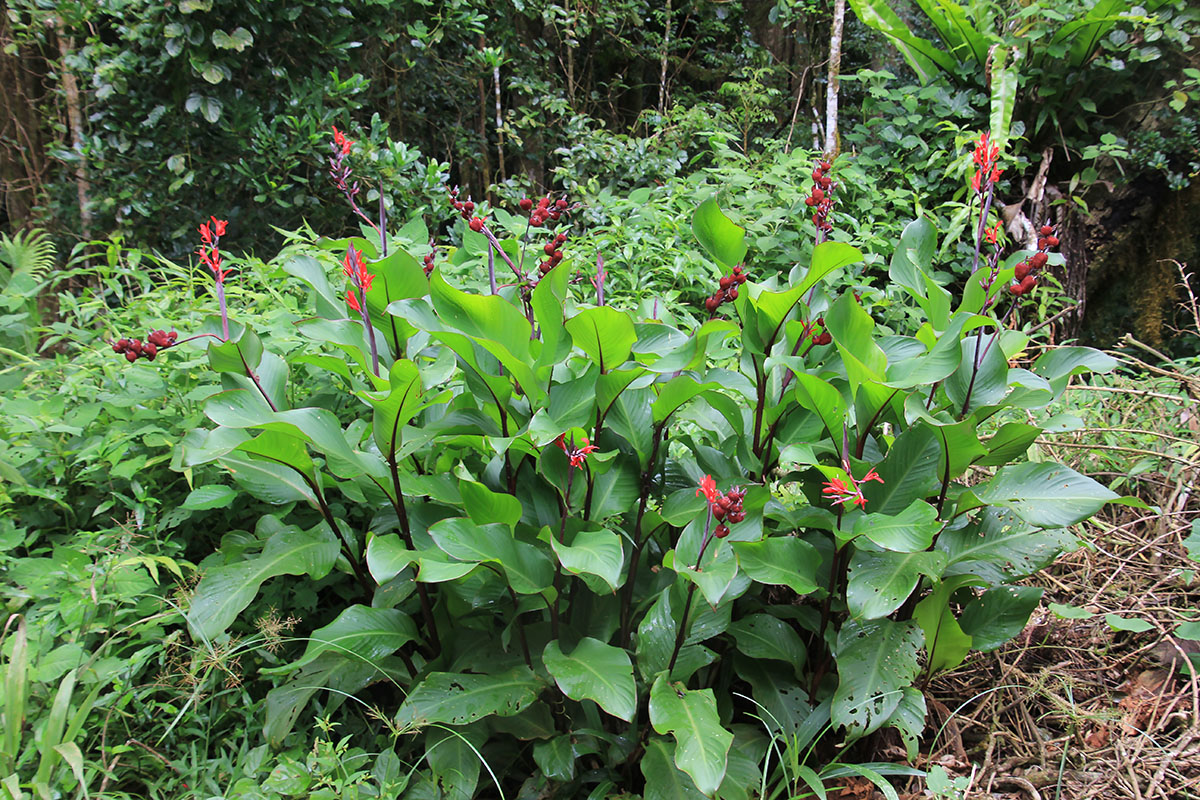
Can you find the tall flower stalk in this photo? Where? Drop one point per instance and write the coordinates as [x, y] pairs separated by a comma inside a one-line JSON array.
[[210, 256]]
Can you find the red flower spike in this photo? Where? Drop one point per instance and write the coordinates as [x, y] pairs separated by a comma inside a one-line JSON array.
[[841, 492], [219, 226], [576, 455], [352, 301], [708, 487]]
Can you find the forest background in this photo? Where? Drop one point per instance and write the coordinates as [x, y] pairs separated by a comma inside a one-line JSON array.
[[126, 123]]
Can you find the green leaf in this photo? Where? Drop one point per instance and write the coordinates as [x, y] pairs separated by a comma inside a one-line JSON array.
[[454, 762], [780, 561], [605, 334], [913, 254], [909, 720], [1134, 625], [1009, 443], [664, 780], [999, 546], [527, 568], [238, 40], [765, 636], [852, 330], [556, 758], [909, 531], [876, 661], [1058, 365], [880, 582], [690, 715], [1045, 494], [596, 553], [241, 354], [1004, 83], [1069, 612], [209, 497], [595, 671], [360, 632], [339, 675], [227, 589], [724, 241], [459, 698], [485, 506], [998, 615], [925, 59], [387, 557], [946, 645]]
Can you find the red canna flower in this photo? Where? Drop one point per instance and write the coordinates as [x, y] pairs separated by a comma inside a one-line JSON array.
[[341, 142], [352, 300], [985, 158], [708, 487], [576, 455], [356, 270], [841, 492]]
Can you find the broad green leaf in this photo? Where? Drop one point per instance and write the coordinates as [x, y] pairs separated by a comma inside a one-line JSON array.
[[528, 569], [360, 632], [555, 757], [1058, 365], [780, 561], [548, 298], [926, 60], [946, 645], [387, 557], [716, 575], [264, 480], [227, 589], [397, 277], [690, 715], [453, 762], [656, 637], [596, 553], [664, 780], [912, 256], [911, 471], [339, 675], [209, 497], [909, 720], [879, 583], [909, 531], [765, 636], [780, 700], [460, 698], [999, 546], [1129, 625], [674, 393], [311, 271], [1004, 80], [852, 330], [1009, 443], [397, 408], [876, 660], [485, 506], [822, 398], [988, 384], [595, 671], [241, 354], [1044, 494], [605, 334], [717, 234], [998, 615]]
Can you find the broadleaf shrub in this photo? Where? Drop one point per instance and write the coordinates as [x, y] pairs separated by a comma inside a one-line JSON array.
[[540, 517]]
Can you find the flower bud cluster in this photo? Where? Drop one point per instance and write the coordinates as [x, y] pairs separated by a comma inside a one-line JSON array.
[[133, 349], [824, 337], [429, 258], [553, 253], [1026, 272], [727, 508], [466, 210], [728, 289], [339, 168], [544, 210], [820, 199]]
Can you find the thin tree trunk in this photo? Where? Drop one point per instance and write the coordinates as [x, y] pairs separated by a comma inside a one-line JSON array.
[[75, 123], [22, 157], [832, 144], [499, 120], [662, 75]]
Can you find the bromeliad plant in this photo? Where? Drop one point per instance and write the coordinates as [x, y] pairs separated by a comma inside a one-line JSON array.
[[647, 550]]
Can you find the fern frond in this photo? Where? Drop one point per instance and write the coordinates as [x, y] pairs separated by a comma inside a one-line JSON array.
[[31, 253]]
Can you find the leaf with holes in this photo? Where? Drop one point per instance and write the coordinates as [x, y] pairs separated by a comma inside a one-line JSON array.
[[998, 615], [460, 698], [765, 636], [876, 661], [880, 582]]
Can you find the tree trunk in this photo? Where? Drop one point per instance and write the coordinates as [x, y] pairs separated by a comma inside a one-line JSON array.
[[835, 70], [22, 156], [666, 50], [75, 124]]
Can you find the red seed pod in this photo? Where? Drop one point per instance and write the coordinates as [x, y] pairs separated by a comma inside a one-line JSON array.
[[1028, 283], [732, 293], [554, 215], [543, 202], [736, 515], [172, 336], [556, 257], [1042, 243], [130, 356], [1022, 270], [150, 351], [560, 238], [737, 269], [1037, 261], [1052, 241], [1046, 230], [721, 531], [741, 277], [711, 304], [469, 207], [817, 194], [476, 224], [1015, 288], [725, 281], [525, 204], [825, 166], [136, 345], [718, 512], [817, 175], [117, 348], [545, 267], [810, 201], [561, 205], [548, 248]]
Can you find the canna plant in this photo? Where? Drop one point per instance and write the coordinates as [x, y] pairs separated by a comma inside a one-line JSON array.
[[645, 548]]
